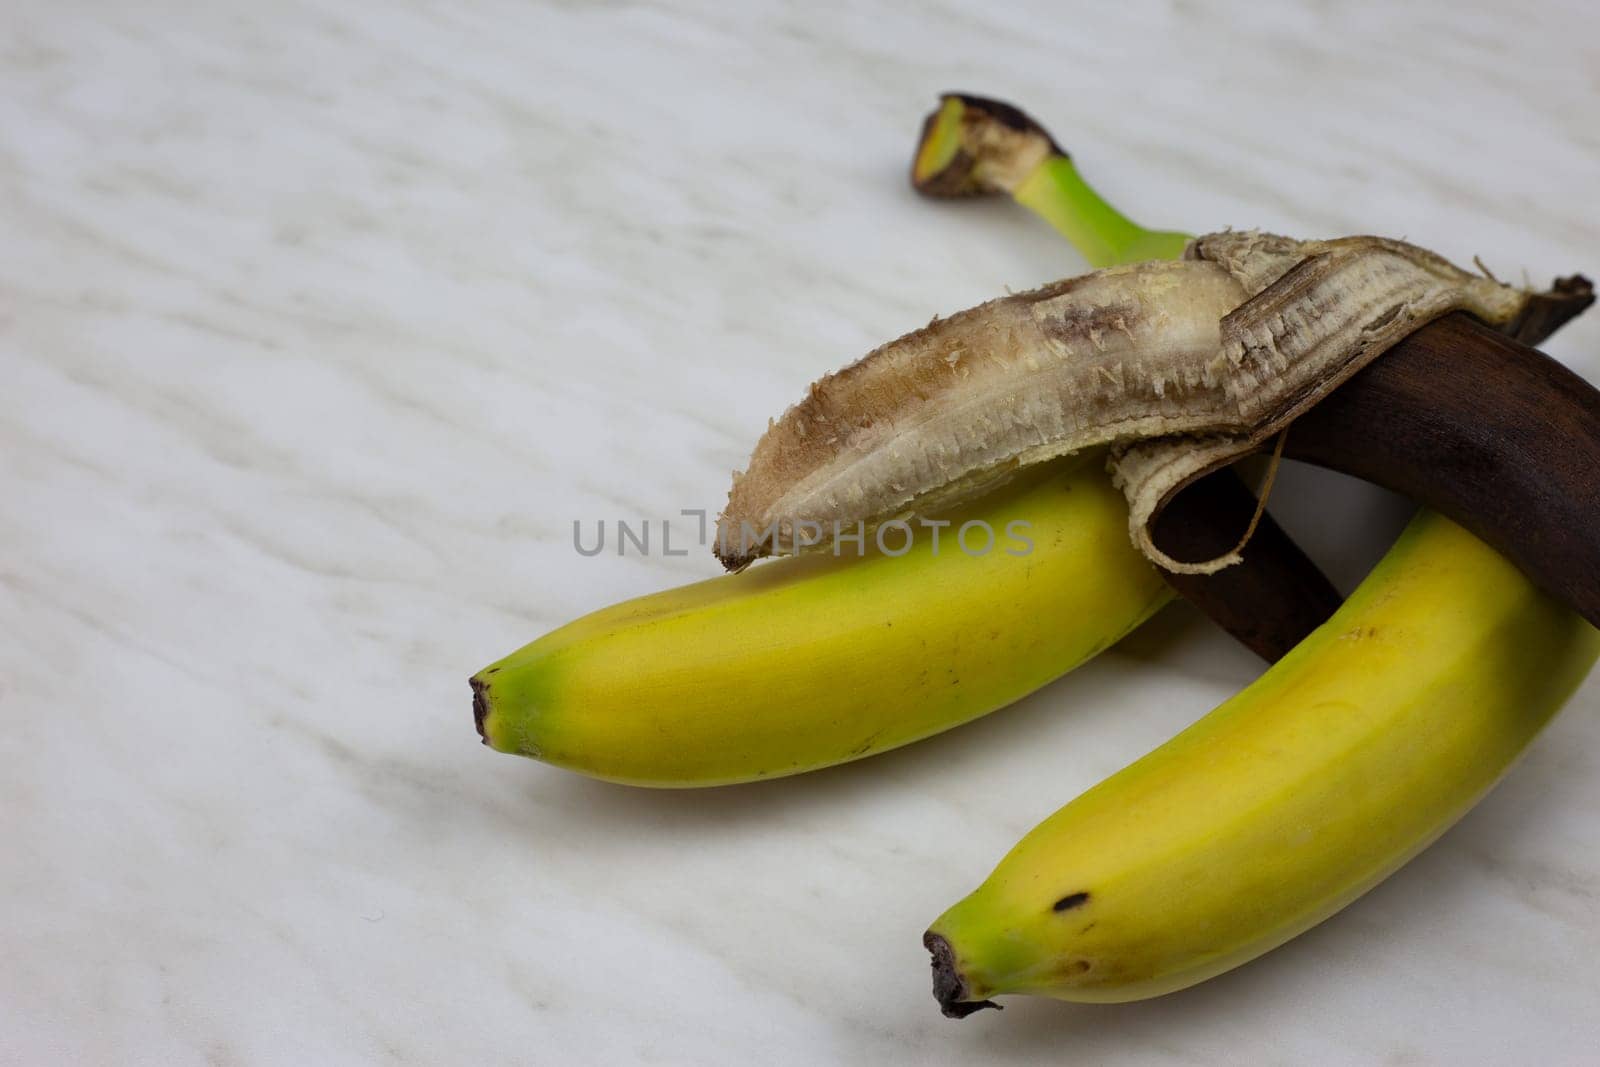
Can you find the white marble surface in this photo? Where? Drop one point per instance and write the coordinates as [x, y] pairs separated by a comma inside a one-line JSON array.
[[320, 323]]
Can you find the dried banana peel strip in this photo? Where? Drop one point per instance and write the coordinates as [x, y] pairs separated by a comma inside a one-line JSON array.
[[1180, 366]]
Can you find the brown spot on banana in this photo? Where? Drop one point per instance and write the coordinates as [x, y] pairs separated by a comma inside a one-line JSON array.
[[1071, 900], [1181, 366]]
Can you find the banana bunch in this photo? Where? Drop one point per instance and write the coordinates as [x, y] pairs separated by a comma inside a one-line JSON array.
[[1042, 425]]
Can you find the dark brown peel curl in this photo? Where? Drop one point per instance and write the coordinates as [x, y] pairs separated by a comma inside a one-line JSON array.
[[1547, 312], [1316, 313], [1480, 427], [1276, 595], [1472, 423]]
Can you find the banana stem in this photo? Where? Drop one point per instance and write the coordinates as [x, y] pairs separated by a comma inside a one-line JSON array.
[[1057, 193], [975, 146]]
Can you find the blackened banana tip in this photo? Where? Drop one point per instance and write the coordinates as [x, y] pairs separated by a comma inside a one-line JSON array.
[[948, 986], [480, 705]]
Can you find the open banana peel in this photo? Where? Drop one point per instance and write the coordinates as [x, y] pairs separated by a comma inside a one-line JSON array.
[[1182, 366], [1096, 422]]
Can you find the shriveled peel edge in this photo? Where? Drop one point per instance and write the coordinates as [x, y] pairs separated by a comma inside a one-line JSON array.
[[1151, 472]]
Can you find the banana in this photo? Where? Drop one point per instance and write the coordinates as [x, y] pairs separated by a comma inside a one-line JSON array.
[[1288, 801], [814, 660], [1313, 784]]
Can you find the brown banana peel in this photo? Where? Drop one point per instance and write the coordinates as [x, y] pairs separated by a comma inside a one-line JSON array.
[[1183, 367]]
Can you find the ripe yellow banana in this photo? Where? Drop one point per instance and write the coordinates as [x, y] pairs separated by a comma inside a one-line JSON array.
[[1289, 801], [810, 661], [1286, 803]]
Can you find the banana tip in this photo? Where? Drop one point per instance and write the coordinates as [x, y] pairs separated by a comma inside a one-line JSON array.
[[480, 705], [734, 561], [949, 988]]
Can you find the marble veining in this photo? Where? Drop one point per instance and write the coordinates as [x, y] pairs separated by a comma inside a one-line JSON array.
[[320, 324]]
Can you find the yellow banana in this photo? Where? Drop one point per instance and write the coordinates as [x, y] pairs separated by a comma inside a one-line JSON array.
[[815, 660], [1286, 803]]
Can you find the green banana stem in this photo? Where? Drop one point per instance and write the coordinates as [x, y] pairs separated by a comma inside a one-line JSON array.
[[973, 146], [1057, 193]]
